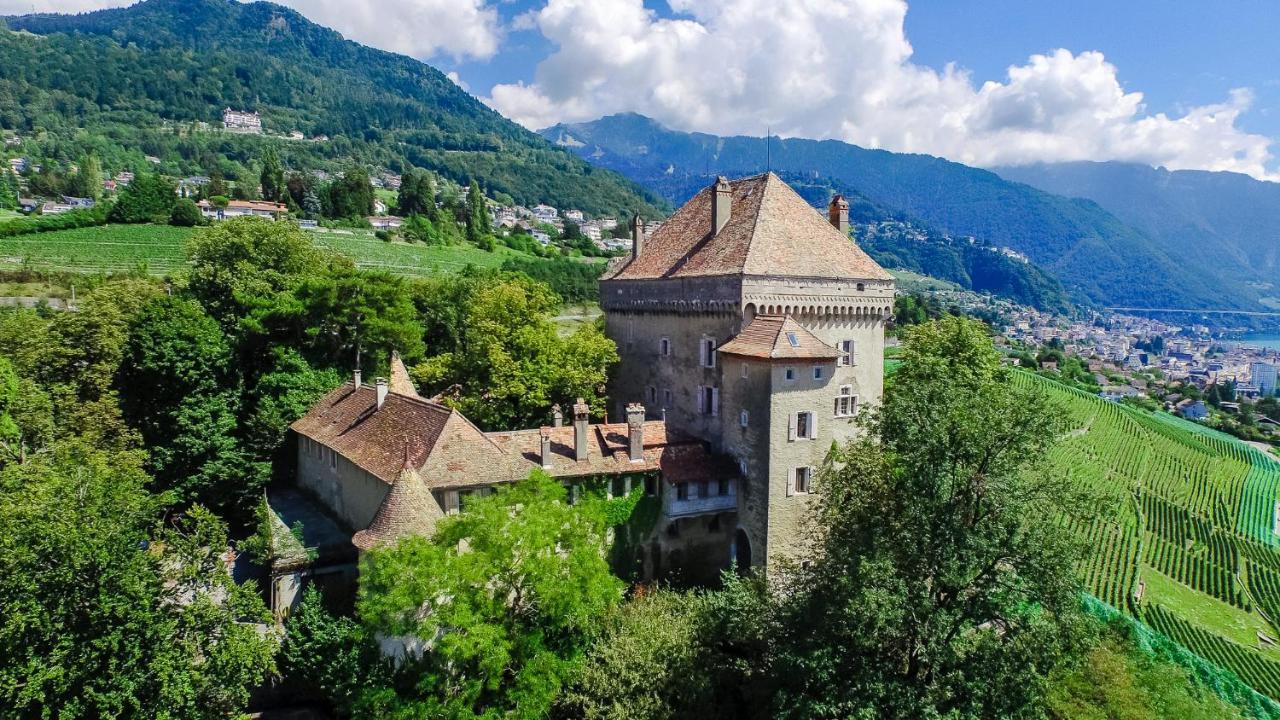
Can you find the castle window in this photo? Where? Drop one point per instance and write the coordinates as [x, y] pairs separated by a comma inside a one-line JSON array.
[[707, 352], [664, 347], [333, 460], [682, 491], [802, 426], [666, 398], [817, 372], [742, 418], [861, 287], [652, 395], [789, 374], [722, 487], [709, 400], [846, 404], [451, 502], [704, 489], [847, 356], [793, 340], [800, 481]]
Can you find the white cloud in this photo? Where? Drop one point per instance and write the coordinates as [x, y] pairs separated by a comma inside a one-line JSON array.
[[421, 28], [828, 69]]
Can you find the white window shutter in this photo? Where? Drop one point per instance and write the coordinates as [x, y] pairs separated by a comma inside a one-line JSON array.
[[791, 482], [813, 425], [701, 400], [791, 427], [853, 353], [715, 401], [711, 353]]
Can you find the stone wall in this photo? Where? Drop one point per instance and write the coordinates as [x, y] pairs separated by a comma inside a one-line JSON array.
[[350, 493]]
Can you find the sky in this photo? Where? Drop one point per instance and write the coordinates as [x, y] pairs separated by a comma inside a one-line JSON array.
[[1176, 83]]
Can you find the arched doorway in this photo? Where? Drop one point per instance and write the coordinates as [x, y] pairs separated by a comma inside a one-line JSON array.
[[742, 551]]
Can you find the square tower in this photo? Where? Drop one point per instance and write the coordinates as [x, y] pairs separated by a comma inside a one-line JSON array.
[[753, 323]]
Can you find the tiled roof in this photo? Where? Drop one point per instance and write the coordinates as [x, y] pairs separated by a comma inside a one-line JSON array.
[[400, 382], [448, 451], [407, 509], [771, 231], [680, 458], [778, 336]]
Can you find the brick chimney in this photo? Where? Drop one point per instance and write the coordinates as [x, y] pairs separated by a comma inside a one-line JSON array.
[[580, 412], [721, 204], [637, 235], [545, 434], [557, 417], [838, 213], [382, 392], [635, 431]]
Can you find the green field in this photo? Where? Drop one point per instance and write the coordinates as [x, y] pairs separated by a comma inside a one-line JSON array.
[[1182, 535], [159, 249]]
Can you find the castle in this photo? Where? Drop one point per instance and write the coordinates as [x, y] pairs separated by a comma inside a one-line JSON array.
[[751, 332]]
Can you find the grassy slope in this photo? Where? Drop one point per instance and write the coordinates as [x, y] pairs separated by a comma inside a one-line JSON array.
[[159, 248], [1186, 519]]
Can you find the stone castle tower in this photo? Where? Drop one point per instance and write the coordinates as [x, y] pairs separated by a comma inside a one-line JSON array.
[[754, 324]]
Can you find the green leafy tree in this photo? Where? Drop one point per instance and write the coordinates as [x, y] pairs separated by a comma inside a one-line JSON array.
[[284, 393], [271, 178], [509, 364], [8, 189], [334, 314], [87, 180], [417, 195], [149, 198], [351, 196], [107, 616], [238, 264], [185, 213], [943, 584], [26, 415], [179, 390], [331, 656], [510, 592], [479, 228]]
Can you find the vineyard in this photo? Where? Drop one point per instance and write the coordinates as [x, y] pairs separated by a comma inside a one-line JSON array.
[[159, 250], [1181, 528]]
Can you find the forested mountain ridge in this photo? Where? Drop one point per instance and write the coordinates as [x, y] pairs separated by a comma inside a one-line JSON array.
[[124, 83], [1096, 256], [1235, 215]]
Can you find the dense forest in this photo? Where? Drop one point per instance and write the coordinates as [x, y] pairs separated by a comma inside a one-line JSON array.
[[1098, 258], [153, 80]]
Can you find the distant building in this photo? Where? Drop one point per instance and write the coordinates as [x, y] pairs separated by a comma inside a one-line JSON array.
[[385, 222], [1192, 409], [242, 208], [574, 215], [546, 213], [18, 165], [295, 135], [1264, 377], [242, 121]]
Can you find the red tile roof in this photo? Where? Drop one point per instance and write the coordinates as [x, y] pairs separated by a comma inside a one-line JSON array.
[[771, 231], [408, 509], [778, 337]]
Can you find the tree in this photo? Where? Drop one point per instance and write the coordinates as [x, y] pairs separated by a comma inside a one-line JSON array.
[[943, 584], [87, 180], [149, 198], [238, 264], [178, 389], [26, 415], [284, 393], [185, 213], [272, 177], [417, 195], [479, 227], [105, 615], [351, 196], [509, 364], [510, 593], [8, 189]]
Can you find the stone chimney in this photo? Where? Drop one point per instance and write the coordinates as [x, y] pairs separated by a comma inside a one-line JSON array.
[[580, 412], [721, 204], [557, 417], [357, 378], [545, 433], [637, 235], [382, 392], [838, 213], [635, 431]]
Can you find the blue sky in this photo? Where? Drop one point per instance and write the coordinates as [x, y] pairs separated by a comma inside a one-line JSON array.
[[1178, 83]]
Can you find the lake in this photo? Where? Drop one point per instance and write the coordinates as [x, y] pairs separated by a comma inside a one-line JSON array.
[[1270, 341]]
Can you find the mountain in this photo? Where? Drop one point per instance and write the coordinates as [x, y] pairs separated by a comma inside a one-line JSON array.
[[1226, 220], [151, 79], [1097, 257]]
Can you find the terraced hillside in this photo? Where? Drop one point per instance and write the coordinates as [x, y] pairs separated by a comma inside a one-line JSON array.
[[1186, 538]]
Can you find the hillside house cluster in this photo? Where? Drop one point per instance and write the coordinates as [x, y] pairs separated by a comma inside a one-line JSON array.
[[243, 208], [750, 331]]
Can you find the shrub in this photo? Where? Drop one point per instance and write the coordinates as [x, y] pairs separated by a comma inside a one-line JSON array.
[[185, 213]]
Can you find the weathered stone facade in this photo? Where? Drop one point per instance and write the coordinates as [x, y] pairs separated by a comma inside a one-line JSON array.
[[743, 403]]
